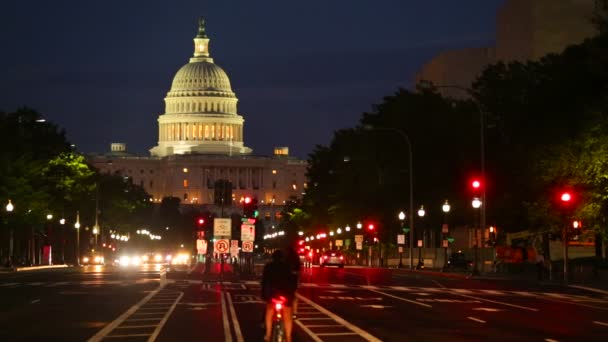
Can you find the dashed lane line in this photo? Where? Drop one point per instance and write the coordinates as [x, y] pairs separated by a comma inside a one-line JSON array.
[[235, 321], [163, 321], [227, 334], [403, 299], [600, 323], [476, 319], [497, 302]]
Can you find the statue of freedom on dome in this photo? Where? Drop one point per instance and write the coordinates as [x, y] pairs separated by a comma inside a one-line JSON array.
[[201, 28]]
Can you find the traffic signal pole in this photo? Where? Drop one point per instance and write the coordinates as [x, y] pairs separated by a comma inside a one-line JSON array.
[[565, 243]]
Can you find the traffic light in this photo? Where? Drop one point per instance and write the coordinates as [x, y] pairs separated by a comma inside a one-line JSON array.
[[250, 207], [476, 184], [371, 227], [576, 224], [200, 221]]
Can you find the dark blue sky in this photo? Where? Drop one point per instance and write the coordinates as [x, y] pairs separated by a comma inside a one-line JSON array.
[[301, 69]]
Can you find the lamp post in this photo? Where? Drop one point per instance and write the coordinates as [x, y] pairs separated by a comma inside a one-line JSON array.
[[401, 217], [481, 144], [421, 213], [476, 203], [444, 231], [62, 223], [411, 179], [9, 210], [77, 226]]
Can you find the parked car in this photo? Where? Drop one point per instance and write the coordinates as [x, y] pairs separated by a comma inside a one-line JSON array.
[[335, 258], [459, 261]]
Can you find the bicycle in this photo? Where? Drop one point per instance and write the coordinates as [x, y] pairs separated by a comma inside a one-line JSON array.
[[278, 330]]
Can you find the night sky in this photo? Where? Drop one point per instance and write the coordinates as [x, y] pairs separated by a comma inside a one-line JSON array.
[[301, 69]]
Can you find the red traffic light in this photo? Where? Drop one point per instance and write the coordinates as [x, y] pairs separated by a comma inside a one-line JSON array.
[[247, 200], [201, 221], [476, 184], [371, 226], [566, 197]]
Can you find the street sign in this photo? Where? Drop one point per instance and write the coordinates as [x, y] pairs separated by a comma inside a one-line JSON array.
[[221, 246], [359, 238], [444, 228], [445, 243], [339, 243], [234, 248], [247, 232], [359, 245], [221, 228], [400, 239], [247, 246], [419, 243], [201, 246], [400, 249]]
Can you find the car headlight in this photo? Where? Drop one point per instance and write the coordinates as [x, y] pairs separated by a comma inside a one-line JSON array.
[[135, 260], [158, 258], [97, 260], [85, 259], [168, 257], [124, 260], [144, 258]]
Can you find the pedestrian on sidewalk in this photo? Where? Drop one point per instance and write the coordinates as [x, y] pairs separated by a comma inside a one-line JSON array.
[[540, 265]]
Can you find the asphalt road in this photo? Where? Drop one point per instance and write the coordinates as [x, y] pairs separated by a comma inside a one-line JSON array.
[[350, 304]]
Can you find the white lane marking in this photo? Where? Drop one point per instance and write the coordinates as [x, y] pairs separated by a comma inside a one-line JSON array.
[[438, 283], [135, 326], [497, 302], [336, 334], [550, 340], [364, 334], [130, 335], [103, 333], [494, 292], [35, 301], [403, 299], [487, 309], [235, 320], [401, 288], [308, 331], [322, 325], [162, 322], [8, 284], [314, 319], [476, 319], [600, 323], [227, 333], [589, 289]]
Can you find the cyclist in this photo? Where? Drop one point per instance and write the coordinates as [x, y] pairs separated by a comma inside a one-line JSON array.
[[277, 280]]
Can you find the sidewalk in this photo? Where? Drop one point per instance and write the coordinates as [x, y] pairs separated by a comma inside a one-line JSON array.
[[594, 285]]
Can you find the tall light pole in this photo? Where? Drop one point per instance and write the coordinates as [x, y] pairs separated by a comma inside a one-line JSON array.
[[444, 231], [411, 180], [401, 217], [9, 210], [476, 203], [421, 213], [77, 226], [481, 143]]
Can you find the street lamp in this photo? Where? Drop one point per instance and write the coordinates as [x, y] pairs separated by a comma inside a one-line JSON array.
[[95, 232], [359, 225], [401, 217], [411, 179], [421, 213], [476, 203], [444, 231], [481, 142], [77, 226], [9, 210]]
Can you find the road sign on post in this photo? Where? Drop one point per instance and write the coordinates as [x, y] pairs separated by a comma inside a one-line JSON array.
[[222, 228], [339, 243], [359, 245], [201, 246], [359, 238], [247, 232], [444, 228], [401, 239], [221, 246], [247, 246]]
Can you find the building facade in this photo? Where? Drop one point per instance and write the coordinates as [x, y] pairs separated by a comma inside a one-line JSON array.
[[201, 141], [525, 30]]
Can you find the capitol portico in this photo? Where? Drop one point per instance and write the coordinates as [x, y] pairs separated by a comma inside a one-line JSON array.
[[201, 141]]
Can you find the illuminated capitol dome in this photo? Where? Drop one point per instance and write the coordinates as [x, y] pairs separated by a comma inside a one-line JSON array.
[[200, 109], [200, 143]]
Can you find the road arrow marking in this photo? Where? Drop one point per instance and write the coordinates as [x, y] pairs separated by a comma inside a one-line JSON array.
[[487, 309]]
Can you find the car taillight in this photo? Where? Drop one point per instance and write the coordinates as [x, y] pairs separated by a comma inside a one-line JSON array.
[[325, 256], [278, 306], [310, 254], [341, 257]]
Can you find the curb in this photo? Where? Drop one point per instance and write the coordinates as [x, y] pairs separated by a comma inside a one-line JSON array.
[[34, 268]]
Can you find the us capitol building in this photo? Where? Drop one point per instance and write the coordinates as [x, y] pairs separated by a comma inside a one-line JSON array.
[[200, 141]]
